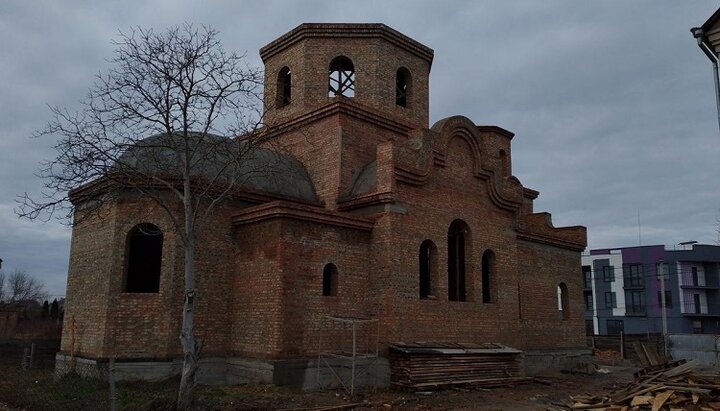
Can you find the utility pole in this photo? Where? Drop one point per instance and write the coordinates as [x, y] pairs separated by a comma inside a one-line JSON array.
[[661, 275]]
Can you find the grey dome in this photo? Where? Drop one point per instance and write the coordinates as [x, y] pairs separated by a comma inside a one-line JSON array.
[[225, 159]]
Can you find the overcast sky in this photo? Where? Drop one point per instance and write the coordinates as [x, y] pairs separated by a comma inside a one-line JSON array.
[[611, 102]]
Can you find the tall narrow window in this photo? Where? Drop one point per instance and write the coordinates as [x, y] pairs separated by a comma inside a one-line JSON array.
[[563, 301], [403, 87], [284, 87], [144, 259], [330, 280], [341, 77], [456, 260], [427, 261], [488, 276]]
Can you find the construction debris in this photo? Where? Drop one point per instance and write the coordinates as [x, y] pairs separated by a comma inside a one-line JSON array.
[[424, 365], [674, 386]]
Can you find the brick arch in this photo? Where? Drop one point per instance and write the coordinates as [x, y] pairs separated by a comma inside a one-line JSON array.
[[459, 127]]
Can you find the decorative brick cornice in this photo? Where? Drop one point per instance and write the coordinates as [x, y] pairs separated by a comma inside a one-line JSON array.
[[344, 30], [344, 106], [365, 200], [538, 228], [288, 210]]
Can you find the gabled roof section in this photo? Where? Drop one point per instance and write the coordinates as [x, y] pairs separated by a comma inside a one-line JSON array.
[[711, 23], [367, 30]]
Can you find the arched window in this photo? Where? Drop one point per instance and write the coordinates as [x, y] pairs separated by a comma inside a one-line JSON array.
[[403, 87], [488, 276], [563, 301], [330, 280], [284, 87], [342, 77], [428, 268], [144, 259], [456, 260]]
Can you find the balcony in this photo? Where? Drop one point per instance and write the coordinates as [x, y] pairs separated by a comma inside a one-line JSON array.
[[635, 311], [695, 281], [694, 309]]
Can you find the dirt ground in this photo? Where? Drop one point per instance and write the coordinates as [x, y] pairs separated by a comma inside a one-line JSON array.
[[548, 395]]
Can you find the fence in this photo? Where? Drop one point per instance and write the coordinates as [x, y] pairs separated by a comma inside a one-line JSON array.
[[703, 348], [623, 344], [30, 380]]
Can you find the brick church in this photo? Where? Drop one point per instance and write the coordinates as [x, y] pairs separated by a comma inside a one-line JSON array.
[[421, 229]]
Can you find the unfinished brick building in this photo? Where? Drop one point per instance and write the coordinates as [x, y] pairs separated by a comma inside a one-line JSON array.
[[422, 228]]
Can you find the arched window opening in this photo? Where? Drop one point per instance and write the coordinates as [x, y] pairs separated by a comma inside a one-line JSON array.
[[403, 87], [504, 164], [488, 276], [428, 269], [342, 77], [330, 280], [144, 259], [456, 260], [563, 301], [284, 87]]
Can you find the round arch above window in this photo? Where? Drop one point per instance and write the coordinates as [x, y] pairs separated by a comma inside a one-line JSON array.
[[284, 87], [403, 87], [459, 246], [330, 280], [341, 77]]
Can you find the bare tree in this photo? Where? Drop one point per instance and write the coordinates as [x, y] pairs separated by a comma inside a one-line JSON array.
[[21, 286], [150, 125]]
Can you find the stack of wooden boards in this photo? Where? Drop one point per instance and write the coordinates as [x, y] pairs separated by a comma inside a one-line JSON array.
[[425, 365], [674, 386]]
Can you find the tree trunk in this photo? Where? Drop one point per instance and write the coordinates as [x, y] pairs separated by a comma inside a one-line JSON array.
[[191, 349]]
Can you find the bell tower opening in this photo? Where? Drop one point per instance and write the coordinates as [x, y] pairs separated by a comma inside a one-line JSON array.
[[341, 78]]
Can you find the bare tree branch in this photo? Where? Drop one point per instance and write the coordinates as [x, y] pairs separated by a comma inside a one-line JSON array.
[[151, 125]]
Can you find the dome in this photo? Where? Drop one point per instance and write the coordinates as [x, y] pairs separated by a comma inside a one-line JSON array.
[[223, 159]]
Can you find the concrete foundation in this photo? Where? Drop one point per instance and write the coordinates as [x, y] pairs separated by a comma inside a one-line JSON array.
[[302, 374], [571, 360]]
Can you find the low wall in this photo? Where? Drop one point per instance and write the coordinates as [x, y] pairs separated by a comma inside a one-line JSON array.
[[703, 348]]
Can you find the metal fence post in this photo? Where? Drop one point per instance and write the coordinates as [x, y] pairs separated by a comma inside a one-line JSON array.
[[111, 381]]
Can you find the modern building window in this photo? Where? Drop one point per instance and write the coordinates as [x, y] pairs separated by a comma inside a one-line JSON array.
[[694, 272], [144, 259], [284, 87], [587, 276], [588, 301], [610, 300], [615, 327], [330, 280], [403, 87], [428, 268], [457, 236], [341, 77], [668, 299], [488, 276], [635, 302], [563, 301], [634, 276], [608, 273], [697, 327]]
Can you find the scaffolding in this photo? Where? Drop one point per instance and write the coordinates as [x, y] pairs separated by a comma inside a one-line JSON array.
[[347, 343]]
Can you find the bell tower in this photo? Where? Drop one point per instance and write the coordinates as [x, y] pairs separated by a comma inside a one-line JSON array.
[[368, 65]]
